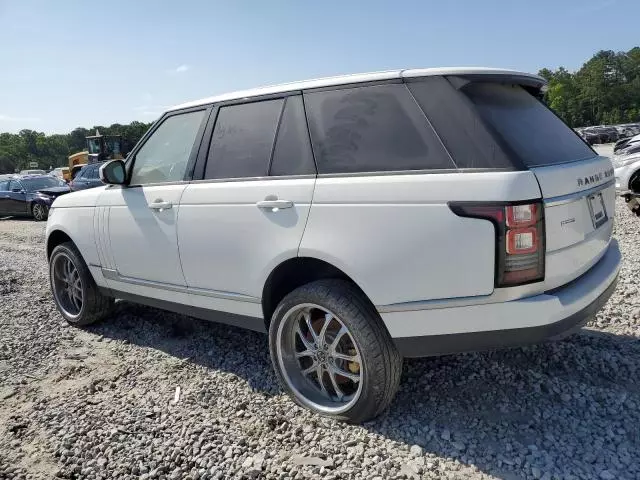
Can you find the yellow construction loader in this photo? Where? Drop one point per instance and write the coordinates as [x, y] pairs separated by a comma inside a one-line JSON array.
[[100, 148]]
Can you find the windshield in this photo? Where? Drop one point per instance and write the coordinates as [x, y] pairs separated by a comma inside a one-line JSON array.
[[532, 131], [94, 145], [34, 184]]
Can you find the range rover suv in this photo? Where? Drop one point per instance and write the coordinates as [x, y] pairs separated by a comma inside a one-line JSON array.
[[357, 220]]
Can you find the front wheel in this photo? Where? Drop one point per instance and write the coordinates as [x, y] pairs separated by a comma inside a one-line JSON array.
[[74, 291], [332, 353], [40, 212]]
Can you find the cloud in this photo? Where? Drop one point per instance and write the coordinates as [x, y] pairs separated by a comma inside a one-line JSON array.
[[182, 68], [150, 110], [10, 119], [597, 6]]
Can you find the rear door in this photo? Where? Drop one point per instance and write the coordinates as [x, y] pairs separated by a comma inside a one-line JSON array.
[[248, 212], [577, 185]]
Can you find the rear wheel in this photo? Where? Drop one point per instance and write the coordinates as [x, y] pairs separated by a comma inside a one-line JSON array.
[[332, 353], [74, 291], [40, 212]]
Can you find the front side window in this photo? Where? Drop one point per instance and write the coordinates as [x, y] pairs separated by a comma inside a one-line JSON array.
[[4, 186], [165, 155], [14, 185], [243, 140], [371, 129]]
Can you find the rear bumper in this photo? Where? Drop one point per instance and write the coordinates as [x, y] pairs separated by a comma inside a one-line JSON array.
[[548, 316]]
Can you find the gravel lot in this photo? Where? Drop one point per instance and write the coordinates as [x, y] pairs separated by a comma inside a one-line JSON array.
[[101, 402]]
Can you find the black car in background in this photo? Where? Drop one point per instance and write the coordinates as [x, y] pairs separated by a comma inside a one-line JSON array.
[[87, 177], [30, 195]]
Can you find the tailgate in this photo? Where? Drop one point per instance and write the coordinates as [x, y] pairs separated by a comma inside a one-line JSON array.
[[579, 199]]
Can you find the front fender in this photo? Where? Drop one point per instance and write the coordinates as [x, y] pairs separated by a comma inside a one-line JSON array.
[[77, 224]]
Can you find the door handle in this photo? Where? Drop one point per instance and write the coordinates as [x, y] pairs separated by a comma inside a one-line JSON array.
[[160, 205], [274, 204]]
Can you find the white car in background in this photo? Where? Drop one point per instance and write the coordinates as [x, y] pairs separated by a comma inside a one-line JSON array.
[[357, 219], [627, 172], [32, 172]]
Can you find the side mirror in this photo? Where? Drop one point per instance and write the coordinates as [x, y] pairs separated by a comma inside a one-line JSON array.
[[17, 190], [113, 173]]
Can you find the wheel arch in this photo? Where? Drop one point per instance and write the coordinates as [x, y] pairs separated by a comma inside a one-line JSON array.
[[634, 180], [55, 238], [293, 273]]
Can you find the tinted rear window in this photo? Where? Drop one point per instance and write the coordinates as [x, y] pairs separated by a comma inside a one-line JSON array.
[[292, 152], [372, 129], [458, 125], [532, 131]]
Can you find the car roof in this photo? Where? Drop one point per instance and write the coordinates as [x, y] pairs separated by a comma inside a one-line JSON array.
[[362, 78], [32, 175]]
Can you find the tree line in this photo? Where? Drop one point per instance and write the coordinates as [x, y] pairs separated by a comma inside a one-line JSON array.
[[18, 150], [606, 90]]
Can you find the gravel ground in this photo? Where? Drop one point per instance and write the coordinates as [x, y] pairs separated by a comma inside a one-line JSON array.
[[101, 402]]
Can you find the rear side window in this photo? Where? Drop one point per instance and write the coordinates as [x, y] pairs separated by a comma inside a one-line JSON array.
[[458, 125], [292, 152], [532, 131], [93, 173], [243, 139], [372, 129]]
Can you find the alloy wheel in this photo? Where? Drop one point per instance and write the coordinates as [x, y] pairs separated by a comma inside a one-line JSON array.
[[39, 211], [319, 359], [67, 285]]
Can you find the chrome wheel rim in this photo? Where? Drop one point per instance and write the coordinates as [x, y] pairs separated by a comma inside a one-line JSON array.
[[319, 359], [38, 212], [67, 285]]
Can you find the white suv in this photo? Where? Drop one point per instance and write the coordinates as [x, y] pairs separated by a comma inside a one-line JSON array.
[[358, 220]]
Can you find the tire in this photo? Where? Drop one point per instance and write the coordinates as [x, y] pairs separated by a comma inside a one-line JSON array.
[[40, 212], [374, 358], [88, 305]]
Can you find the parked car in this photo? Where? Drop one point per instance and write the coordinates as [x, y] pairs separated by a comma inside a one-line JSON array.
[[59, 172], [29, 195], [87, 177], [606, 134], [627, 173], [590, 138], [630, 148], [620, 146], [33, 172], [601, 137], [358, 220]]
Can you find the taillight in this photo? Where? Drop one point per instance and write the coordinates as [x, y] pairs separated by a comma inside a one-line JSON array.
[[519, 238]]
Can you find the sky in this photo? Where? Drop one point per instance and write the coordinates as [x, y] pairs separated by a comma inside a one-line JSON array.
[[70, 63]]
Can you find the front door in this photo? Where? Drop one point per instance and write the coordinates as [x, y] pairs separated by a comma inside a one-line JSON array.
[[17, 202], [4, 197], [140, 219]]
